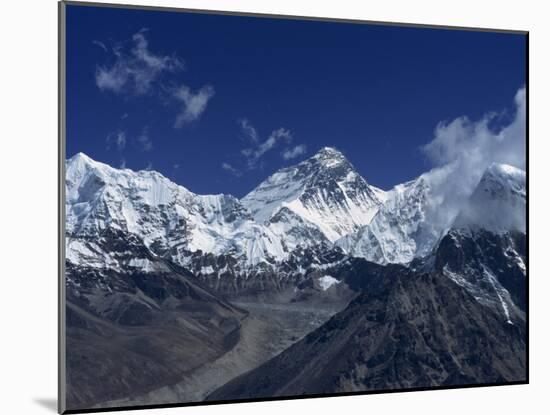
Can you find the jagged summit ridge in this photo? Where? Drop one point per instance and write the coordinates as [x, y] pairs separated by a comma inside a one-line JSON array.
[[324, 190], [163, 214], [404, 227], [321, 203], [177, 222], [329, 155], [399, 231]]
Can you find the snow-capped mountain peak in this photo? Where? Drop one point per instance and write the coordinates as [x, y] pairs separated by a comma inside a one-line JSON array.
[[503, 179], [295, 216], [324, 190], [399, 230], [329, 157], [498, 204], [298, 209], [405, 226], [164, 215]]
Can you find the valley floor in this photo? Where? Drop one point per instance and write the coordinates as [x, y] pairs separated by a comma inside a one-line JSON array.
[[269, 329]]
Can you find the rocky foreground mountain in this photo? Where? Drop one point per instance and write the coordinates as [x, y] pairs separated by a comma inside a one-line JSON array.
[[406, 331], [314, 282], [456, 316]]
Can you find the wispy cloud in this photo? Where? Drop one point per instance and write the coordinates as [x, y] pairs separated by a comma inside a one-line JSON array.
[[149, 166], [258, 148], [294, 152], [134, 68], [229, 168], [276, 137], [193, 104], [476, 143], [158, 62], [249, 131], [122, 163], [144, 141], [100, 44], [118, 139]]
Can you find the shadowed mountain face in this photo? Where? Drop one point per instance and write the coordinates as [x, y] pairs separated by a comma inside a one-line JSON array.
[[315, 282], [404, 330], [490, 266]]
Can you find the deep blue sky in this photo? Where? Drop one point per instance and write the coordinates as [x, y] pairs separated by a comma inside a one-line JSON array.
[[374, 92]]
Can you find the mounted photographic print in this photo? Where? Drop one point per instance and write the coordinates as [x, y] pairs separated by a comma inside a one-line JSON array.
[[259, 207]]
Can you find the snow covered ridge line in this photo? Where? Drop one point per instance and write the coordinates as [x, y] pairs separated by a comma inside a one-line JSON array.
[[418, 214], [299, 212], [320, 204]]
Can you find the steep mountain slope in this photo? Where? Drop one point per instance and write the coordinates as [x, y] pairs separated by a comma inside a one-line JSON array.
[[489, 266], [399, 231], [166, 216], [287, 225], [406, 329], [216, 236], [324, 190], [412, 221], [498, 204], [485, 250]]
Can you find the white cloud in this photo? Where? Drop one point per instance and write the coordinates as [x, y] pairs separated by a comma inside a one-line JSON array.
[[258, 149], [476, 144], [143, 54], [249, 131], [193, 104], [144, 141], [462, 150], [112, 79], [294, 152], [118, 139], [274, 138], [135, 68], [229, 168], [247, 152]]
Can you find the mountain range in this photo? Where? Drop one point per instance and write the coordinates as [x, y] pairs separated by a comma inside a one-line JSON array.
[[420, 298]]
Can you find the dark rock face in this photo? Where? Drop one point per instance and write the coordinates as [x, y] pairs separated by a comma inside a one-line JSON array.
[[472, 254], [405, 330], [325, 171], [226, 277]]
